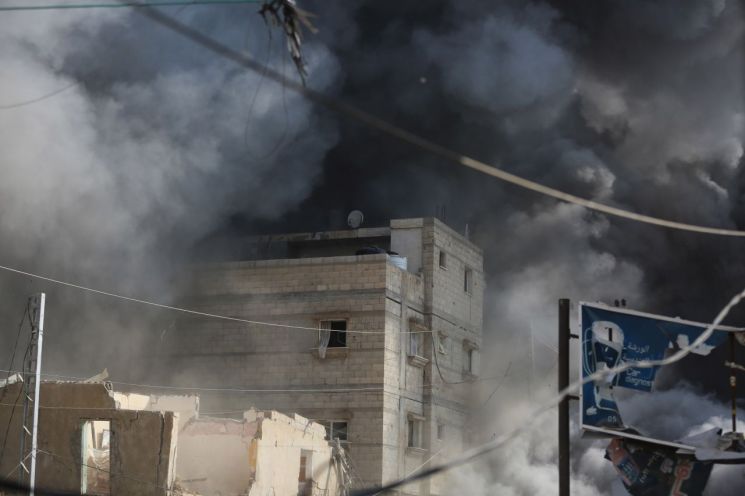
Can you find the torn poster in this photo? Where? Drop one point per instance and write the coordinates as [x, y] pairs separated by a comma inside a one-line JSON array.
[[611, 337], [654, 471]]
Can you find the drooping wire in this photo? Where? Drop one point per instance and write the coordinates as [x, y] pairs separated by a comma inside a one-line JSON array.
[[15, 346], [416, 140], [283, 136], [39, 99], [20, 388], [185, 310]]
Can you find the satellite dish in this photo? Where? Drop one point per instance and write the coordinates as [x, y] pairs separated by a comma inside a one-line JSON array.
[[355, 218]]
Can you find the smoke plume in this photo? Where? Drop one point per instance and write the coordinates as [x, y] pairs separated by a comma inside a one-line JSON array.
[[158, 146]]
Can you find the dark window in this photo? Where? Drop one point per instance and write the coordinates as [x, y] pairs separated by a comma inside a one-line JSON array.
[[338, 337], [440, 431], [415, 433], [468, 280]]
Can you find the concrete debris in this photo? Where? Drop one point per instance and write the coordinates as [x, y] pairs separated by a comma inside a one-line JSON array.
[[97, 441], [100, 377], [11, 380]]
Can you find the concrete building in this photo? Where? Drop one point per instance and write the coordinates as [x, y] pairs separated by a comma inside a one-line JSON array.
[[96, 441], [392, 348]]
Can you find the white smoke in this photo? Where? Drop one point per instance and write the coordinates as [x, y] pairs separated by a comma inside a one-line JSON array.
[[111, 183]]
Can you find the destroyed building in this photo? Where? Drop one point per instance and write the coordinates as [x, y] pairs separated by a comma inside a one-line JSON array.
[[396, 324], [96, 441]]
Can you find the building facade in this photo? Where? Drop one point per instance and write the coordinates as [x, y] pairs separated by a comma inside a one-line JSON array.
[[383, 352]]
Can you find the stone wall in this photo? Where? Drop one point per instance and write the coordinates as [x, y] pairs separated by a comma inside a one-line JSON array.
[[141, 442]]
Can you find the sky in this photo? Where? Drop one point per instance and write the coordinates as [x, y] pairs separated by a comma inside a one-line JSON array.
[[156, 147]]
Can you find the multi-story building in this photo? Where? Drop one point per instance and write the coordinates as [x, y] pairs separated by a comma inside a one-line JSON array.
[[391, 350]]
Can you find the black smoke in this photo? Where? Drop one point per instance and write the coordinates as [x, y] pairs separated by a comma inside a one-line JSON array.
[[162, 147]]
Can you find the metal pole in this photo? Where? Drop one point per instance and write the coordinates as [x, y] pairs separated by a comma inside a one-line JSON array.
[[39, 303], [733, 381], [564, 336]]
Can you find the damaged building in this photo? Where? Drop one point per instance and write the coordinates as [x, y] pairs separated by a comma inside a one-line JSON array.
[[96, 441], [396, 318]]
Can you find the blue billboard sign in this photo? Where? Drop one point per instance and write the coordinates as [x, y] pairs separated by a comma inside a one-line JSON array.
[[611, 337]]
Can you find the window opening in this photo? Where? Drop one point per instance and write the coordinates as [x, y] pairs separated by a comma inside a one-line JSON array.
[[443, 259], [414, 437], [470, 358], [332, 334], [415, 343], [305, 476], [96, 457], [335, 429], [440, 431], [468, 280]]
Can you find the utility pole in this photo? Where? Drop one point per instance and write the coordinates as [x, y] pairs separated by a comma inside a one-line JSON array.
[[31, 385], [564, 336]]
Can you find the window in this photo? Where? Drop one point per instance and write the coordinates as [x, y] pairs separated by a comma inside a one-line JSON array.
[[443, 259], [470, 358], [416, 348], [335, 429], [414, 428], [305, 475], [415, 343], [332, 334], [442, 343], [96, 457], [468, 280], [440, 431]]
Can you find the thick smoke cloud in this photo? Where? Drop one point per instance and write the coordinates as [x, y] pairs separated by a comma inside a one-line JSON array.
[[112, 182], [631, 102]]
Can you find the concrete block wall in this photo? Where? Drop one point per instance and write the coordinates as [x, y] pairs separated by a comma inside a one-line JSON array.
[[299, 292], [450, 311], [372, 295]]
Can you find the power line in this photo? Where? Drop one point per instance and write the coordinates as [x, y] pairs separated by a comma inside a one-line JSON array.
[[499, 441], [416, 140], [216, 389], [152, 3], [187, 310], [39, 99]]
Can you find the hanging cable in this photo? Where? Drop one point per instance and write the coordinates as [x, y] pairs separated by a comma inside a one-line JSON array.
[[184, 310], [39, 99], [416, 140]]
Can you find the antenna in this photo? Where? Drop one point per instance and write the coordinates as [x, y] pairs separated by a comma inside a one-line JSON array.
[[355, 219]]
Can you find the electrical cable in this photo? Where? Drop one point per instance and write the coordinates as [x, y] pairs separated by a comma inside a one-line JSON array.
[[185, 310], [15, 347], [285, 131], [219, 389], [39, 99], [18, 396], [499, 441], [499, 386], [416, 140], [437, 366], [151, 3]]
